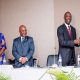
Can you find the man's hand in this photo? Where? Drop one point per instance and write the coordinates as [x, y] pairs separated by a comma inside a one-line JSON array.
[[77, 41], [23, 60]]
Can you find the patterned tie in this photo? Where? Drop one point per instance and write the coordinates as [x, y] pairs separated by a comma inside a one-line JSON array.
[[69, 31]]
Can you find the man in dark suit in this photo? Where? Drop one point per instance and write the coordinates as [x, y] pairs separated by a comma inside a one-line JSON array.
[[67, 41], [23, 48]]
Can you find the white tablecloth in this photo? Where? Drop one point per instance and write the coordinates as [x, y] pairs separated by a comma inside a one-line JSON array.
[[28, 73]]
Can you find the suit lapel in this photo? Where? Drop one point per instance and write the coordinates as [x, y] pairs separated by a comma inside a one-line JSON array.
[[26, 38], [72, 32], [19, 40], [24, 43], [20, 44]]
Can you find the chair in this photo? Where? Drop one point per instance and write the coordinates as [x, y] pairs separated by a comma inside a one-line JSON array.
[[34, 61], [52, 59], [11, 62]]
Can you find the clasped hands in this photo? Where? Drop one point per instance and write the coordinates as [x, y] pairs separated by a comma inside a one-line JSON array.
[[23, 60], [77, 41]]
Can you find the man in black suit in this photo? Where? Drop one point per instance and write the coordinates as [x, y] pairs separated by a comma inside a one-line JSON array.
[[67, 41]]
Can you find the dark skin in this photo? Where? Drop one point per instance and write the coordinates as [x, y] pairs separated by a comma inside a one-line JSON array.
[[67, 17], [2, 49]]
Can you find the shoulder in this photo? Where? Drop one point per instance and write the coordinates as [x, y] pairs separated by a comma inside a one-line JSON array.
[[61, 27], [16, 39], [73, 27], [29, 37], [1, 34]]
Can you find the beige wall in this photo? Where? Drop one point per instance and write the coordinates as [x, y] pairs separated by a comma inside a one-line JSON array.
[[38, 16], [60, 7], [0, 13], [42, 17]]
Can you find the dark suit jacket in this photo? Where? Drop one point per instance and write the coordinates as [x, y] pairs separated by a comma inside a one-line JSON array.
[[66, 45], [23, 49]]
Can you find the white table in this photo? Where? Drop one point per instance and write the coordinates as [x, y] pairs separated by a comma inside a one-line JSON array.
[[27, 73]]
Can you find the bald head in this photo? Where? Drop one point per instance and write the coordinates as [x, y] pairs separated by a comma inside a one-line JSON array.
[[22, 30]]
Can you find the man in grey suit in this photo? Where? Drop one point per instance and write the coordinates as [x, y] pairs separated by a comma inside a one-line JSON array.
[[67, 41], [23, 48]]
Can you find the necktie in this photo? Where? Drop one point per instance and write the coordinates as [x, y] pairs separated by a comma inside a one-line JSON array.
[[69, 31]]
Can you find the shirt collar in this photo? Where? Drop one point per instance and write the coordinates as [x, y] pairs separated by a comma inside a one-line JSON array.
[[22, 38], [66, 25]]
